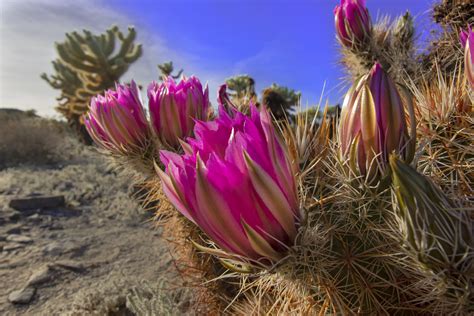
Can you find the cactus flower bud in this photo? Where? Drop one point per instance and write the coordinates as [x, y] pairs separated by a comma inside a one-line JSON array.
[[175, 107], [467, 41], [435, 229], [373, 124], [352, 21], [116, 121], [404, 29], [236, 183]]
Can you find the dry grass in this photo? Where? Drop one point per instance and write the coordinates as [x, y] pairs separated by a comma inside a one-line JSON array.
[[28, 139]]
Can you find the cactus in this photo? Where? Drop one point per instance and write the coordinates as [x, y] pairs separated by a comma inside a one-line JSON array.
[[167, 69], [242, 90], [404, 248], [87, 65], [437, 233], [391, 43], [280, 100]]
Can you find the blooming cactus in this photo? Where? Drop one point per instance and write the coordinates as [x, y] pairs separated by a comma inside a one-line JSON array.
[[373, 123], [175, 107], [352, 21], [116, 121], [235, 181], [467, 41]]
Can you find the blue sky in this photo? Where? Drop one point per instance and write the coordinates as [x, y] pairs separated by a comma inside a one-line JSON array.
[[290, 42], [284, 41]]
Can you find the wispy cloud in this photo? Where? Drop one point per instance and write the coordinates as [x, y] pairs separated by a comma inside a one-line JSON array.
[[29, 29]]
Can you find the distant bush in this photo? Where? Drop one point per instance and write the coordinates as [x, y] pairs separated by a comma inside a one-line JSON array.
[[28, 139]]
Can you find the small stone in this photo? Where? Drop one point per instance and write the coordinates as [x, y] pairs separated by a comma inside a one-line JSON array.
[[35, 218], [75, 203], [14, 230], [13, 216], [40, 276], [70, 265], [19, 239], [12, 247], [61, 212], [36, 202], [23, 296], [56, 248]]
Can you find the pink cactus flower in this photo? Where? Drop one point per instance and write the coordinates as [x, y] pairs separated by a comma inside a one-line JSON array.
[[235, 181], [467, 41], [116, 120], [373, 123], [352, 22], [175, 107]]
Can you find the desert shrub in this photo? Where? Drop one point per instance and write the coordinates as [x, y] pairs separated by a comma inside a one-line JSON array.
[[28, 139]]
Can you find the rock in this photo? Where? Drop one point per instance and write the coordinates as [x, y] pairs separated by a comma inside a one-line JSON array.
[[70, 265], [52, 226], [23, 296], [37, 202], [12, 247], [75, 203], [61, 212], [13, 216], [57, 248], [40, 276], [35, 218], [14, 230], [64, 186], [19, 239]]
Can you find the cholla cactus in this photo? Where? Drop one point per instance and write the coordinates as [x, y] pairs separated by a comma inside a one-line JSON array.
[[257, 222], [87, 65], [242, 91], [280, 101], [167, 69]]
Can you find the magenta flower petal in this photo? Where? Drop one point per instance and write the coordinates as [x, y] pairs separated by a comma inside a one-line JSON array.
[[467, 41], [117, 122], [238, 185], [352, 21], [174, 107]]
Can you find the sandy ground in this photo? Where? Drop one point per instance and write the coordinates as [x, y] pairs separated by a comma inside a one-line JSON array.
[[80, 259]]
